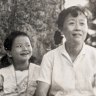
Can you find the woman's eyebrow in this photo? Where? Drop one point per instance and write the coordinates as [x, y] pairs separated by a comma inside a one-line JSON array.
[[82, 20], [71, 19]]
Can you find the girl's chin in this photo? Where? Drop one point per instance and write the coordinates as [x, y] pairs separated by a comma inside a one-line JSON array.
[[23, 60]]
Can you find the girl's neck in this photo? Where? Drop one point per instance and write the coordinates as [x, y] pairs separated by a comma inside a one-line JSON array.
[[73, 50], [21, 65]]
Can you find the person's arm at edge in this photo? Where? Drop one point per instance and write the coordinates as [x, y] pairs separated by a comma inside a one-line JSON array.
[[44, 80], [42, 89]]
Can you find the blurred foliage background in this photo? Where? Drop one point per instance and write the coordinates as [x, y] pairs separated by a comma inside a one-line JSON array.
[[38, 19]]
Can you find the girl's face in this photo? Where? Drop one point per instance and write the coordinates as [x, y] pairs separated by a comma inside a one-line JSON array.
[[75, 28], [21, 49]]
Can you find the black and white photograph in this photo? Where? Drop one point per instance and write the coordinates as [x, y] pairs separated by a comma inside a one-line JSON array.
[[47, 47]]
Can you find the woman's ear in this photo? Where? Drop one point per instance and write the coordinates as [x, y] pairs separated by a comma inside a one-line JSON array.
[[62, 33], [9, 53]]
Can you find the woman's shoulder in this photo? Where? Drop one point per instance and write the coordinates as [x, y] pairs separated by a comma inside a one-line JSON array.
[[90, 48], [54, 51], [90, 51], [34, 65]]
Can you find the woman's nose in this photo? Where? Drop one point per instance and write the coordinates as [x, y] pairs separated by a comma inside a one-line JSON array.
[[77, 26]]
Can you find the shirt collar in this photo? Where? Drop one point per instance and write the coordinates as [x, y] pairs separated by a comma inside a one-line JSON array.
[[64, 52]]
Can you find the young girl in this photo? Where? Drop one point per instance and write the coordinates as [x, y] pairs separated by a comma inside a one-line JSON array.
[[19, 74]]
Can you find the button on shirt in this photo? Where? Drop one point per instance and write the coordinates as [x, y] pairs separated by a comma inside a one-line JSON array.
[[67, 77]]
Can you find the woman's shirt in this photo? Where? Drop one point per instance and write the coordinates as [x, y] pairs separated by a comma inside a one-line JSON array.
[[18, 82], [67, 77]]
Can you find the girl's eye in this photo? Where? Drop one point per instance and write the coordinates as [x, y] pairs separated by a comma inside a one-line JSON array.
[[19, 46], [28, 45]]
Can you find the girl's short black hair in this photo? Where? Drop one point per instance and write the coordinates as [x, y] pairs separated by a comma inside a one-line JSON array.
[[73, 10], [5, 60], [11, 37]]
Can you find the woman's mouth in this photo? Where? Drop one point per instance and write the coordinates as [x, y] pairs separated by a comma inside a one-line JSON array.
[[77, 34]]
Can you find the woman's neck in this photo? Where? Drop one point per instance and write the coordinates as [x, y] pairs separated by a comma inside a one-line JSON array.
[[73, 50], [21, 65]]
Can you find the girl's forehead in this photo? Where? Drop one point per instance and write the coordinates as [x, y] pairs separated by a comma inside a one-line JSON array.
[[21, 39]]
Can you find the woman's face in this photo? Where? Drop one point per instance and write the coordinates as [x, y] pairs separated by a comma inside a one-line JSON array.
[[75, 28], [21, 49]]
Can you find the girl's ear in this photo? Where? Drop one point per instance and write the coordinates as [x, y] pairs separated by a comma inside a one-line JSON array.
[[9, 53]]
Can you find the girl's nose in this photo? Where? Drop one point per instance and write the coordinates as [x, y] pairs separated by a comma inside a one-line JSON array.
[[24, 47]]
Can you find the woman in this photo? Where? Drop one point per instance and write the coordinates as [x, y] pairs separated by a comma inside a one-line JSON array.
[[69, 69]]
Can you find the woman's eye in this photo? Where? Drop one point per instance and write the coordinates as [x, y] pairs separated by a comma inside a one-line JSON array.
[[71, 23], [82, 23]]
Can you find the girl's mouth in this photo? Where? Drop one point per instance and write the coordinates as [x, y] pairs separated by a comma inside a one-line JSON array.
[[25, 53]]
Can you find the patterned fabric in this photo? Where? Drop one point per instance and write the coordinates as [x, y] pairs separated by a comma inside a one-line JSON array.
[[20, 83]]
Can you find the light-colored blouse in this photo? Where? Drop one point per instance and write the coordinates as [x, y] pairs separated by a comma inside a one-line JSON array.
[[67, 77], [20, 83]]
